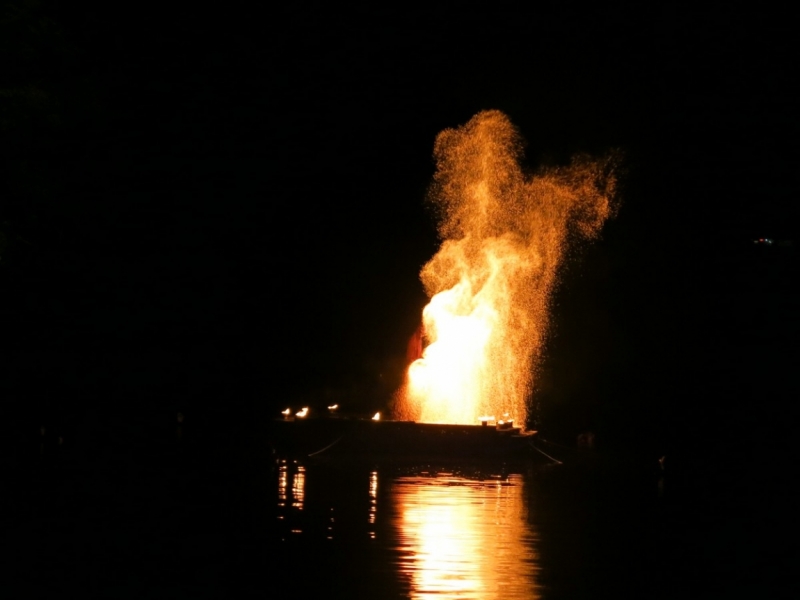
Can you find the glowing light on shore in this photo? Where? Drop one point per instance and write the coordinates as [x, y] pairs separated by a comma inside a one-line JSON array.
[[504, 233], [376, 416], [302, 412]]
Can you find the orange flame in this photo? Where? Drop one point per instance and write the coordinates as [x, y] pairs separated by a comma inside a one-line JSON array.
[[504, 234]]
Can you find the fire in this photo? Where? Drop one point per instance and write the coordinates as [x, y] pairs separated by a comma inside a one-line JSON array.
[[504, 234]]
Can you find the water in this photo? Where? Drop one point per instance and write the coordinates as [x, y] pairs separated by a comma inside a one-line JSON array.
[[440, 532], [212, 519], [478, 531]]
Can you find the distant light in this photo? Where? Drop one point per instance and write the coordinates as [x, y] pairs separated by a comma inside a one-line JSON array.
[[333, 407], [302, 412], [286, 412], [376, 416]]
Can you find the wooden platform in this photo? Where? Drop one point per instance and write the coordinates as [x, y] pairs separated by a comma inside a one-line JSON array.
[[355, 438]]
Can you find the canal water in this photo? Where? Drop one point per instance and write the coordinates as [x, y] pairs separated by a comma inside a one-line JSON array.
[[213, 519]]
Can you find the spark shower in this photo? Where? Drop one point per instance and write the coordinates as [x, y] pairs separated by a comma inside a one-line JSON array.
[[504, 234]]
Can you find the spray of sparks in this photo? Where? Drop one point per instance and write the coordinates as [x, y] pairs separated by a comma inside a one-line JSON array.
[[504, 235]]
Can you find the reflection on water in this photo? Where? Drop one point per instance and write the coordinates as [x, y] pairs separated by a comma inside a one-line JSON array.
[[298, 488], [283, 483], [297, 477], [440, 535], [291, 492], [373, 501], [461, 538]]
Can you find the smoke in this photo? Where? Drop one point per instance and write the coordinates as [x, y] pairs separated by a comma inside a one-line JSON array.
[[504, 234]]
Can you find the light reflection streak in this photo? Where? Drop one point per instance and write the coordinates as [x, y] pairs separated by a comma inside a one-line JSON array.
[[291, 494], [283, 479], [373, 502], [373, 496], [453, 537], [299, 488], [461, 538]]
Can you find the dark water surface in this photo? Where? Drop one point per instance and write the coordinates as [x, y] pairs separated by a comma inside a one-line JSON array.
[[214, 517]]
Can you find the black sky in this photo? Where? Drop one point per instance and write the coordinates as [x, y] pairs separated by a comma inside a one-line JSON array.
[[224, 208]]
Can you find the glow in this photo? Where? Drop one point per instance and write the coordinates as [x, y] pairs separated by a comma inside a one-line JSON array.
[[333, 407], [299, 488], [283, 480], [376, 416], [302, 412], [465, 539], [286, 412], [373, 499], [504, 233]]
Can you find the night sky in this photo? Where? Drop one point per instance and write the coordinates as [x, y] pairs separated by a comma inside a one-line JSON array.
[[222, 210]]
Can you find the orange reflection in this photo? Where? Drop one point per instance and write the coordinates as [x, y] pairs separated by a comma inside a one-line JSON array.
[[373, 501], [283, 481], [291, 494], [299, 488], [465, 539]]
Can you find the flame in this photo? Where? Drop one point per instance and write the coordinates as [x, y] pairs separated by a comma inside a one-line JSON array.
[[302, 412], [376, 416], [504, 234]]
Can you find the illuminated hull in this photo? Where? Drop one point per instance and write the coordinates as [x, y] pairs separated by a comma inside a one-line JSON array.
[[404, 440]]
